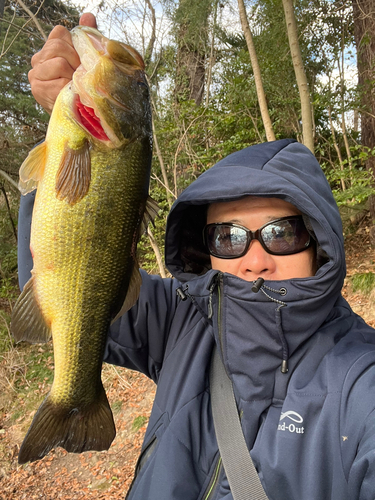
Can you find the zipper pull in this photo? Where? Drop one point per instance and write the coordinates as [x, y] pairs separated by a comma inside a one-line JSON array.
[[257, 285]]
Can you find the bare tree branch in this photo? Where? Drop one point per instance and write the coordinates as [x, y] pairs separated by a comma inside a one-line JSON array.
[[9, 179], [9, 212], [157, 253], [19, 28], [33, 17]]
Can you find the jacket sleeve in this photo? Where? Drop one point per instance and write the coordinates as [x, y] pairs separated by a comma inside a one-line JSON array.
[[25, 260], [358, 431], [137, 340], [363, 470]]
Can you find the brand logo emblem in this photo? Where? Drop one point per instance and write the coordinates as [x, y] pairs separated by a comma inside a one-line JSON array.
[[291, 419]]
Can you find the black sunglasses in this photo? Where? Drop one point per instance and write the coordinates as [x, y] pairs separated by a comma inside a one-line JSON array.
[[284, 236]]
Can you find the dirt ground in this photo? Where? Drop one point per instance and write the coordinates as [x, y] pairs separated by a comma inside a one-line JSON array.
[[108, 475], [90, 475]]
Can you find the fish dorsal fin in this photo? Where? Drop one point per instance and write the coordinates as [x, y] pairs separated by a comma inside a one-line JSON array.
[[133, 292], [74, 174], [32, 169], [27, 321], [151, 211]]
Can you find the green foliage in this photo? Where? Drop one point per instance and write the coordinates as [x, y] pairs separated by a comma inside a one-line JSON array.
[[193, 16], [6, 341], [357, 180], [40, 364], [363, 282], [116, 407], [138, 422]]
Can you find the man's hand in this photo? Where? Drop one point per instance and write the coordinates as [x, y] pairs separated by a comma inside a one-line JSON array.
[[55, 64]]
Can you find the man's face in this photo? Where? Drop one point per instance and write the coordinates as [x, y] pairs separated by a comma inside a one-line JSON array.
[[253, 212]]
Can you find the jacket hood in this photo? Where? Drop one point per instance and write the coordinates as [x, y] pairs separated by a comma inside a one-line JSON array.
[[282, 169], [266, 325]]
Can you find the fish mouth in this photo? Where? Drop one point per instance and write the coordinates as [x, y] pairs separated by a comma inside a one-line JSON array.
[[92, 98], [88, 119]]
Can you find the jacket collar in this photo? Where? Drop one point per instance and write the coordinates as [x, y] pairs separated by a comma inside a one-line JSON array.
[[256, 331]]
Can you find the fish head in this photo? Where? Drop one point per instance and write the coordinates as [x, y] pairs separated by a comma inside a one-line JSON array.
[[111, 91]]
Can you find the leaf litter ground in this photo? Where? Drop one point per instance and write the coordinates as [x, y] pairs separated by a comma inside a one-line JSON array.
[[108, 475]]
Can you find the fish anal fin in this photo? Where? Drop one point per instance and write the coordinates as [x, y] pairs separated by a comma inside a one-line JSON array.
[[32, 169], [74, 174], [27, 322], [76, 428], [132, 293]]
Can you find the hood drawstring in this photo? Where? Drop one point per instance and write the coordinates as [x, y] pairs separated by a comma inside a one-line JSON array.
[[258, 285], [183, 294]]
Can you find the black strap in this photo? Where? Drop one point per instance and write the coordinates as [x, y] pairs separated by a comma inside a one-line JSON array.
[[242, 476]]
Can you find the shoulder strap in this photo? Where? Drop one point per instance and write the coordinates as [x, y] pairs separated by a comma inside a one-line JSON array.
[[242, 476]]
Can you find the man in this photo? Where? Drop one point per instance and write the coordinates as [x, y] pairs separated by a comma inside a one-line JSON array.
[[256, 249]]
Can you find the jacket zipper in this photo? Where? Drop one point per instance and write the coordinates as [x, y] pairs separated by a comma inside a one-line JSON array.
[[219, 311], [214, 481]]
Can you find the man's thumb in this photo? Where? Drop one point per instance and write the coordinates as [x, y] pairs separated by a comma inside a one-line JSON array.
[[88, 19]]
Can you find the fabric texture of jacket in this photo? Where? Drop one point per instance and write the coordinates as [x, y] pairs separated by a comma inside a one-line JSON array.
[[311, 431]]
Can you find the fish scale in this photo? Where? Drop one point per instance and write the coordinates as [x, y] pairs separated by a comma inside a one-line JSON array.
[[91, 205]]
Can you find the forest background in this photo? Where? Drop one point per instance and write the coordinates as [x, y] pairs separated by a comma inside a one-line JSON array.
[[224, 74]]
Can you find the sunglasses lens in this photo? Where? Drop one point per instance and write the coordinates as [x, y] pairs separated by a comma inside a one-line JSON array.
[[226, 240], [286, 236]]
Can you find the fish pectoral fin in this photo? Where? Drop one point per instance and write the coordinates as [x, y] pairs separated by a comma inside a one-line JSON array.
[[27, 322], [32, 169], [74, 174], [133, 292], [75, 428], [149, 215]]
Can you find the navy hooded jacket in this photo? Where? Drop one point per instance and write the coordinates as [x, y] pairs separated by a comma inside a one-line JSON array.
[[310, 431]]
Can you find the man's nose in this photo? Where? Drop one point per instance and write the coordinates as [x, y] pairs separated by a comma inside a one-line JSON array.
[[257, 260]]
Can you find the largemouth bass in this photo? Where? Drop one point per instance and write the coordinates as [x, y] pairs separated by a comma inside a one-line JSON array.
[[92, 178]]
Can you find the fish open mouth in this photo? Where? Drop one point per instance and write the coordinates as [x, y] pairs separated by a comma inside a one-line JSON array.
[[90, 121]]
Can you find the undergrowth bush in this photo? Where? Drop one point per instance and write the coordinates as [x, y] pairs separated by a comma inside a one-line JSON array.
[[363, 282]]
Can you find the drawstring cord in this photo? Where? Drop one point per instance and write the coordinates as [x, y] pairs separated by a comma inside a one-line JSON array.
[[259, 285], [184, 294]]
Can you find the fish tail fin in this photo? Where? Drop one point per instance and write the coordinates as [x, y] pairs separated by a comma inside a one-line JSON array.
[[76, 429]]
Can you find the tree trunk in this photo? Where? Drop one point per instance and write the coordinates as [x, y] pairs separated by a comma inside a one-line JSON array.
[[257, 76], [303, 86], [364, 34], [151, 43], [191, 21], [190, 75], [2, 3]]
